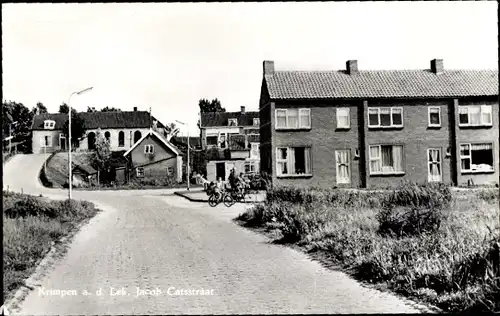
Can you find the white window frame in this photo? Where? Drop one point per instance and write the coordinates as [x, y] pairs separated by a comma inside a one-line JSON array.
[[286, 111], [232, 120], [390, 114], [348, 164], [256, 122], [149, 149], [482, 109], [254, 147], [170, 171], [61, 136], [440, 163], [469, 156], [379, 158], [139, 172], [46, 144], [49, 124], [347, 111], [429, 116], [252, 166], [307, 151]]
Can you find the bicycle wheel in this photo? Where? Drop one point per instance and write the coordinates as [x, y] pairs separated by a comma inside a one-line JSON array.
[[213, 200], [229, 200]]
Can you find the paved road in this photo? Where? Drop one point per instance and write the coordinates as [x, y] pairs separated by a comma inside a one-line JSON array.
[[165, 242]]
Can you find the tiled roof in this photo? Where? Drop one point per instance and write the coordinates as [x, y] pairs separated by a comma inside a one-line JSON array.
[[381, 84], [237, 142], [182, 141], [221, 118], [94, 120]]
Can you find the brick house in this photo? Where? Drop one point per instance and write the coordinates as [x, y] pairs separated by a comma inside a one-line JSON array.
[[123, 129], [154, 157], [352, 128], [232, 141]]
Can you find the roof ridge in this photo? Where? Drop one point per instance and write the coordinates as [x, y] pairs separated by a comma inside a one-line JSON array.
[[382, 70]]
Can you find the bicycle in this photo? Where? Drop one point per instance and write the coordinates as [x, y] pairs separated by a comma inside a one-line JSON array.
[[215, 198], [234, 196]]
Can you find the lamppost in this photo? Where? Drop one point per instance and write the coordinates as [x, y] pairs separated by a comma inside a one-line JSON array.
[[187, 167], [70, 173], [10, 135]]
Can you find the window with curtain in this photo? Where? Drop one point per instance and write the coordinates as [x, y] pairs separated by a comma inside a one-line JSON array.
[[342, 163], [434, 116], [293, 118], [434, 160], [475, 115], [386, 159], [293, 161], [385, 117], [343, 118], [476, 157]]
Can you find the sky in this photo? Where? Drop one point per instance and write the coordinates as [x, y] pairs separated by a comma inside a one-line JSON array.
[[167, 56]]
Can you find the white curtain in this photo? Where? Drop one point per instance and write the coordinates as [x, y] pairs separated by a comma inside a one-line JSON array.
[[397, 152], [343, 117], [474, 115], [387, 159], [305, 116], [281, 118], [375, 158], [434, 160], [307, 153], [464, 150], [486, 114], [342, 165], [293, 118], [481, 146], [291, 160]]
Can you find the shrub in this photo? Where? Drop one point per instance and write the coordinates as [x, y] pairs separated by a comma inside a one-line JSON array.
[[429, 195], [31, 206], [488, 195], [403, 221]]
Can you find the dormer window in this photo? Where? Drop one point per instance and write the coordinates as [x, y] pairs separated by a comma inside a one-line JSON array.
[[232, 122], [256, 122], [49, 124]]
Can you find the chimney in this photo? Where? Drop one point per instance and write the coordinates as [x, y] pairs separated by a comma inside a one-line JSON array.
[[437, 66], [351, 67], [268, 67], [242, 110], [135, 109]]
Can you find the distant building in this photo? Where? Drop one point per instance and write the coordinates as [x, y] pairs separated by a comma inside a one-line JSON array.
[[231, 140], [352, 128], [123, 129]]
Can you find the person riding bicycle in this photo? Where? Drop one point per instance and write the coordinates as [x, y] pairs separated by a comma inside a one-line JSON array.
[[219, 187], [241, 183]]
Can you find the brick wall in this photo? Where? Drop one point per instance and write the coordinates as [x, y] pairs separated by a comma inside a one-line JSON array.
[[416, 137]]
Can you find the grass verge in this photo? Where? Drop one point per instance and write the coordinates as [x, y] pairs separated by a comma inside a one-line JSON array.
[[31, 226], [419, 241]]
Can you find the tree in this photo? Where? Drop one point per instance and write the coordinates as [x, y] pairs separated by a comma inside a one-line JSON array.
[[15, 112], [91, 109], [101, 157], [108, 109], [77, 127], [64, 108], [171, 130], [210, 106], [39, 108]]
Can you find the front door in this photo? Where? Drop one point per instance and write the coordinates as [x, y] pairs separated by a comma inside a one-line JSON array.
[[62, 142], [343, 166], [434, 165], [220, 170]]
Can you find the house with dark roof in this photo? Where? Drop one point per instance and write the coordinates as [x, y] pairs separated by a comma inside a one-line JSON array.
[[232, 141], [154, 157], [123, 129], [355, 128]]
